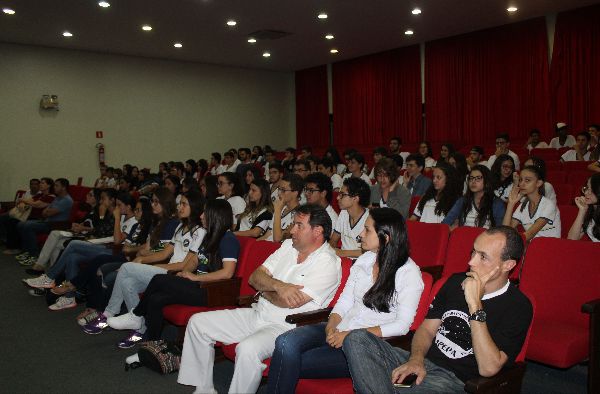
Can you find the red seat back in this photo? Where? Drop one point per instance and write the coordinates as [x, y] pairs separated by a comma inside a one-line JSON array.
[[258, 252], [78, 193], [346, 265], [565, 193], [578, 179], [545, 154], [568, 213], [576, 165], [428, 242], [554, 176], [334, 203], [243, 260], [553, 165], [459, 249], [423, 306], [413, 203]]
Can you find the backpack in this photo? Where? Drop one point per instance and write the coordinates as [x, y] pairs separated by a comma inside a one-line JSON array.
[[160, 356]]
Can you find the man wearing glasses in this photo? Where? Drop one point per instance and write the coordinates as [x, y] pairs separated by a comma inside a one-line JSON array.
[[502, 145], [318, 190]]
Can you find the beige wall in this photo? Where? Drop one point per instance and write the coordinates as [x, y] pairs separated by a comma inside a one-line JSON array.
[[149, 110]]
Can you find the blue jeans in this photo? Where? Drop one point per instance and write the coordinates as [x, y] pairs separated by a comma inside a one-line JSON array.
[[75, 253], [28, 231], [304, 353], [371, 361]]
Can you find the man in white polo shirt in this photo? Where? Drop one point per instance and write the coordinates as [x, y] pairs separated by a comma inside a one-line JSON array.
[[302, 275]]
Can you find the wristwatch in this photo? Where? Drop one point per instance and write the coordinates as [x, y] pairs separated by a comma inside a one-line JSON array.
[[479, 315]]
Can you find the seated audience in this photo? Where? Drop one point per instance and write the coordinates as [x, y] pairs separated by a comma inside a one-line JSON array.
[[504, 175], [534, 142], [502, 148], [231, 190], [563, 139], [458, 161], [479, 207], [284, 208], [328, 167], [215, 163], [332, 154], [580, 149], [318, 191], [396, 150], [549, 192], [475, 157], [255, 219], [427, 153], [441, 196], [289, 159], [381, 296], [387, 192], [250, 173], [302, 168], [475, 326], [274, 176], [208, 187], [446, 150], [413, 178], [173, 183], [538, 215], [355, 165], [353, 200], [302, 275], [378, 153], [258, 155], [588, 218]]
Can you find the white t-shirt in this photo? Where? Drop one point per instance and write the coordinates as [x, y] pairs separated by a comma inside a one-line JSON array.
[[503, 193], [428, 215], [286, 220], [472, 218], [547, 210], [540, 145], [571, 155], [492, 159], [320, 274], [238, 206], [186, 242], [341, 169], [336, 181], [430, 162], [247, 221], [349, 235], [127, 225], [403, 306], [569, 142], [589, 233], [364, 177], [333, 215]]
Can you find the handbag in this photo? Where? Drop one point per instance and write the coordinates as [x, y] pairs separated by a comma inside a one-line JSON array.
[[21, 214], [160, 356]]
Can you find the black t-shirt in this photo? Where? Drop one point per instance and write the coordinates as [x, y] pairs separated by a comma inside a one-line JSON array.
[[229, 248], [508, 318]]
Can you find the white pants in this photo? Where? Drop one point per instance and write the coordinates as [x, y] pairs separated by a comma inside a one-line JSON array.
[[256, 342], [52, 248]]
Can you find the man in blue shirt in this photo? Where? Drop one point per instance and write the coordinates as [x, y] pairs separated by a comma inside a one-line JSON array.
[[59, 210], [413, 179]]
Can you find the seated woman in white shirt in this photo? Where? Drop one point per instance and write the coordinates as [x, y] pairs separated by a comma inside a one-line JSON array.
[[441, 196], [538, 215], [427, 153], [380, 296], [284, 206], [230, 188], [255, 219], [588, 218], [548, 188]]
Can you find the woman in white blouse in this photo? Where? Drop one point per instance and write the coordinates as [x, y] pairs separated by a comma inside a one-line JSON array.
[[380, 296]]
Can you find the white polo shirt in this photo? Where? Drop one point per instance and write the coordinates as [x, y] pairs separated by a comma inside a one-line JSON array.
[[185, 242], [349, 234], [286, 220], [571, 155], [546, 209], [428, 215], [320, 274]]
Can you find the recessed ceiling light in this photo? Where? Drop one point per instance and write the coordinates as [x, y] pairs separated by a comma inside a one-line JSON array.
[[329, 36], [146, 28], [231, 22], [512, 9], [409, 32], [416, 11], [266, 54], [8, 11], [252, 40], [333, 50], [322, 15], [104, 4], [177, 45], [67, 34]]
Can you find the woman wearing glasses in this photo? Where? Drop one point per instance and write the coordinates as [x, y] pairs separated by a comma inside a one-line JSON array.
[[479, 207], [290, 189], [388, 192], [588, 218], [503, 171], [230, 188]]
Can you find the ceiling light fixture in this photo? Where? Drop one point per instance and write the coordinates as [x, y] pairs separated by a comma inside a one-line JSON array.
[[329, 36], [416, 11], [8, 11], [266, 54], [252, 40], [333, 51], [409, 32], [177, 45], [322, 15], [67, 34], [146, 28], [231, 23], [104, 4], [512, 9]]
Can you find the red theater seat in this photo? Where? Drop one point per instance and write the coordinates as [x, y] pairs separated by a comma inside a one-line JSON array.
[[459, 249], [428, 242]]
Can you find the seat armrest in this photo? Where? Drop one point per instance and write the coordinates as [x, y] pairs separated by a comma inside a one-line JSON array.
[[508, 380], [591, 307], [310, 317], [434, 270], [222, 292]]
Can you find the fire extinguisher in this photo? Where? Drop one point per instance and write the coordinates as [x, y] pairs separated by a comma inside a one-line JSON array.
[[100, 153]]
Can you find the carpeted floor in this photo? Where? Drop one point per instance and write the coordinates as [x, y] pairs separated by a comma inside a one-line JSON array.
[[46, 352]]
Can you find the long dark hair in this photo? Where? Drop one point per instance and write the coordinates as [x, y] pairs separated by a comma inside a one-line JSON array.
[[392, 254], [487, 200], [210, 182], [145, 222], [254, 208], [448, 196], [196, 202], [218, 219], [166, 199], [540, 176], [236, 181], [593, 212]]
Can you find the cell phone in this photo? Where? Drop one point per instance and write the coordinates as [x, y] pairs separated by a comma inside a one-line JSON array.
[[408, 381]]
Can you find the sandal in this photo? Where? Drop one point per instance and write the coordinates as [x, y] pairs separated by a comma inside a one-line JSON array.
[[86, 312], [64, 288]]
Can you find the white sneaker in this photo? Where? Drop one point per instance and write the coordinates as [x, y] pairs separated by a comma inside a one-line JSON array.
[[63, 303], [127, 321], [41, 282]]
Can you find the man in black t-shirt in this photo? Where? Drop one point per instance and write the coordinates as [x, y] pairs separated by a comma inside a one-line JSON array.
[[476, 325]]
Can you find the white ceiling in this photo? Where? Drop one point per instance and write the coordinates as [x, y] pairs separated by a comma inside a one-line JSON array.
[[360, 27]]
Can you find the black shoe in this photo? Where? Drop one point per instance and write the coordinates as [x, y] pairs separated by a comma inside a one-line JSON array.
[[31, 271], [37, 292]]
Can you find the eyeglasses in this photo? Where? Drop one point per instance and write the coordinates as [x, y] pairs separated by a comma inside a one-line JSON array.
[[475, 178], [342, 195], [284, 190], [311, 191], [585, 189]]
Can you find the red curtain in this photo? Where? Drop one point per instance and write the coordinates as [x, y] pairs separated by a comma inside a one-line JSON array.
[[575, 72], [312, 107], [376, 97], [491, 81]]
